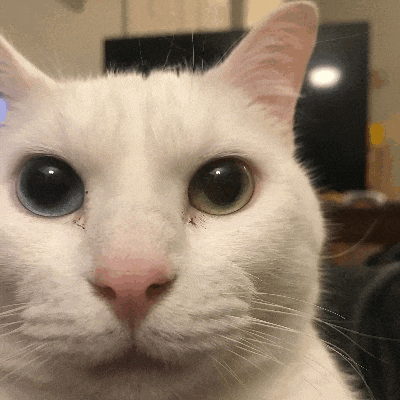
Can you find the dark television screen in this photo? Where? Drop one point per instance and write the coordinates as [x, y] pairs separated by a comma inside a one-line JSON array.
[[331, 114], [196, 51]]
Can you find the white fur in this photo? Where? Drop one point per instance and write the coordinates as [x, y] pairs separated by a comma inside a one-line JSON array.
[[136, 144]]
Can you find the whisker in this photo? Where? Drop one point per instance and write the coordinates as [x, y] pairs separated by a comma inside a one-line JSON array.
[[24, 351], [297, 314], [315, 387], [285, 328], [304, 302], [263, 335], [343, 354], [14, 304], [247, 360], [12, 332], [276, 345], [5, 324], [15, 370], [218, 369], [260, 322], [229, 369], [248, 347], [321, 321], [337, 328], [356, 332], [245, 294], [269, 303], [354, 365], [11, 312]]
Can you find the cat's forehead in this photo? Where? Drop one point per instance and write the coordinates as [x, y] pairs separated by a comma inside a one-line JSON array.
[[164, 118]]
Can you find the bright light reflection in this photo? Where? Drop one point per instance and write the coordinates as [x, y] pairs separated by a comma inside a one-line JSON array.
[[325, 77], [49, 170]]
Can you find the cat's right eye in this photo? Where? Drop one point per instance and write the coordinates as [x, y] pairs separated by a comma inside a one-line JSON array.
[[49, 187]]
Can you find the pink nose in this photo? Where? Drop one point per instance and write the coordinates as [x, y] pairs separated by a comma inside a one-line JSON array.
[[131, 284]]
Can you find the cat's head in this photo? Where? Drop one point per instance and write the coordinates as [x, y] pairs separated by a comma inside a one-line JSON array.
[[145, 222]]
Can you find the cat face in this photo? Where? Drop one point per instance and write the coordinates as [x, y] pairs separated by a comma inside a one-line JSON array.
[[147, 223]]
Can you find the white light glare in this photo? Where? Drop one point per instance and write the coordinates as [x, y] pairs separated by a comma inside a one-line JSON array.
[[324, 77]]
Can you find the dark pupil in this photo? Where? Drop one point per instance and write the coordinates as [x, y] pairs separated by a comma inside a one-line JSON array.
[[223, 184], [47, 185]]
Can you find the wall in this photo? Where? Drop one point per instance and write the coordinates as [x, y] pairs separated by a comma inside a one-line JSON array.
[[166, 16], [255, 10], [62, 42], [58, 40]]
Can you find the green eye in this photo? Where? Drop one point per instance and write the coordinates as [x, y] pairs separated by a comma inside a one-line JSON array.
[[221, 187], [50, 187]]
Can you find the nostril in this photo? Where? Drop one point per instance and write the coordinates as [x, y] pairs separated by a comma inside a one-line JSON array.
[[105, 291], [157, 289], [151, 293]]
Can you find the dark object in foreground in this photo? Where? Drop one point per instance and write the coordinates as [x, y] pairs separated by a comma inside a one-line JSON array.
[[365, 301]]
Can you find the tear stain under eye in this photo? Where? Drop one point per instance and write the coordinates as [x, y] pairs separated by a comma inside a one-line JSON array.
[[187, 218], [79, 221], [197, 221], [191, 221]]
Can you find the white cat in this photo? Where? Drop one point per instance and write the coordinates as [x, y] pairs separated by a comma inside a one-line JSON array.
[[158, 240]]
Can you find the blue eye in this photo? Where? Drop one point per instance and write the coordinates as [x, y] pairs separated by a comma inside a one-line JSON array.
[[50, 187]]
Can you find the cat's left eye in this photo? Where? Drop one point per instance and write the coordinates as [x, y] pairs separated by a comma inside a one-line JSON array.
[[222, 186], [50, 187]]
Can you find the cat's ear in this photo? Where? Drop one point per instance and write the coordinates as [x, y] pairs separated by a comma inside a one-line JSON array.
[[17, 75], [269, 63]]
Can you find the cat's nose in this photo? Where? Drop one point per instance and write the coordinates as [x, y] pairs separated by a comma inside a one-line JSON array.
[[132, 284]]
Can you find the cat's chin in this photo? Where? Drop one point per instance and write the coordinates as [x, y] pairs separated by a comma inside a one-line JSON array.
[[128, 356], [133, 360]]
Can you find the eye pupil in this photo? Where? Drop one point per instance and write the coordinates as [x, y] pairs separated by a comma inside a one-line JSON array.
[[222, 186], [50, 187], [47, 186]]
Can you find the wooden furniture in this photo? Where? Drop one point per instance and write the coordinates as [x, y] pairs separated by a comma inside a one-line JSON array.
[[359, 230], [373, 224]]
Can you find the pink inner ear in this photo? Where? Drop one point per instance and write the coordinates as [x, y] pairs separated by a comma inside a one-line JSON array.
[[270, 62]]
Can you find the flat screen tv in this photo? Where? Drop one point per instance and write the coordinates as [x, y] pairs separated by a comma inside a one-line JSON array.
[[331, 114]]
